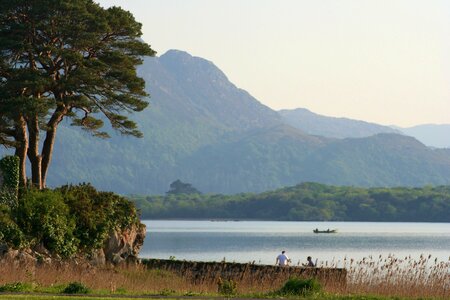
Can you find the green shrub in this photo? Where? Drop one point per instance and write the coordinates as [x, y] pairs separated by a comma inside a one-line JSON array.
[[76, 288], [16, 287], [10, 232], [45, 218], [166, 292], [300, 287], [9, 168], [226, 286], [68, 220], [97, 213]]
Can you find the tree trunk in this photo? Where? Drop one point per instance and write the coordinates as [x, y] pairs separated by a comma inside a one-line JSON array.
[[47, 149], [21, 138], [33, 151]]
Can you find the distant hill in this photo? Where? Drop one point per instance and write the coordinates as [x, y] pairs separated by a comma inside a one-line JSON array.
[[316, 124], [432, 135], [203, 130], [271, 159]]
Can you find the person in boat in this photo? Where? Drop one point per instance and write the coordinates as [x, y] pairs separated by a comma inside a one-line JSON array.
[[282, 259]]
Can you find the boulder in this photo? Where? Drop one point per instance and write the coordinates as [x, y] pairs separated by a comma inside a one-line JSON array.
[[124, 246], [97, 258]]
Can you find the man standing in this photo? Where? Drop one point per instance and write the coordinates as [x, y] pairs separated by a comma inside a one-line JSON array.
[[282, 260]]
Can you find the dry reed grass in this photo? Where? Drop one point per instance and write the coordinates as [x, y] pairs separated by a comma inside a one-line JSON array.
[[130, 279], [425, 277]]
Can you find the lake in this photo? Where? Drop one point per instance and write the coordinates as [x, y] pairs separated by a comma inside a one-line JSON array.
[[262, 241]]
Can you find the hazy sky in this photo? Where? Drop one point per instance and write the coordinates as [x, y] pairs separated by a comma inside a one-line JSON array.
[[385, 61]]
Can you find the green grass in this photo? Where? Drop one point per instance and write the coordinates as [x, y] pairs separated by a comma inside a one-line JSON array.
[[54, 297], [313, 297]]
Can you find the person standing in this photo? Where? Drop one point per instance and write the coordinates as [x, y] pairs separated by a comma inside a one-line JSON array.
[[282, 259]]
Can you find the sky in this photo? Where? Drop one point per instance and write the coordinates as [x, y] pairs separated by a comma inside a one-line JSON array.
[[383, 61]]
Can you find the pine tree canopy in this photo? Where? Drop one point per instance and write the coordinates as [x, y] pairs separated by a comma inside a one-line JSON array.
[[68, 59]]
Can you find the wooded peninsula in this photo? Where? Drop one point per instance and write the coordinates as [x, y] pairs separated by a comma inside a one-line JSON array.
[[306, 202]]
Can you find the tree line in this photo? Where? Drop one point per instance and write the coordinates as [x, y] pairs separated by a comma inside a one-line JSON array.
[[306, 202]]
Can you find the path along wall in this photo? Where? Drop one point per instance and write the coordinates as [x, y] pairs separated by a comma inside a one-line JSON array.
[[210, 272]]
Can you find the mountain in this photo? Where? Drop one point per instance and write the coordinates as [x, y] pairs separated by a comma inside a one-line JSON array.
[[192, 105], [380, 160], [437, 136], [432, 135], [203, 130], [316, 124]]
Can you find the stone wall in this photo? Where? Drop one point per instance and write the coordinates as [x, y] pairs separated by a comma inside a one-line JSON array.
[[210, 272]]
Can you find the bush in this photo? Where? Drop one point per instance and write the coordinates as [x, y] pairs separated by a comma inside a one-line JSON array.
[[45, 218], [68, 220], [300, 287], [97, 213], [10, 232], [226, 287], [9, 168], [76, 288], [16, 287]]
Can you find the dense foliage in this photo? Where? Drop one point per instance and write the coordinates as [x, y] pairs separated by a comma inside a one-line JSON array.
[[66, 59], [96, 213], [76, 288], [179, 187], [299, 287], [67, 220], [10, 232], [308, 202], [9, 170]]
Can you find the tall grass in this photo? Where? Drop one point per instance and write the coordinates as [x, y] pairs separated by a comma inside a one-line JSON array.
[[423, 277]]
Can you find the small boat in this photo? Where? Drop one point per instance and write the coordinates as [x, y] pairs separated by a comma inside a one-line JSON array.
[[325, 231]]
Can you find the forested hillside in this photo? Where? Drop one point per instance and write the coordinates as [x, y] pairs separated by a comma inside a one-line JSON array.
[[307, 202], [202, 129]]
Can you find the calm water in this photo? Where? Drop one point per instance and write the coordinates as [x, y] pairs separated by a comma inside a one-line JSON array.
[[260, 241]]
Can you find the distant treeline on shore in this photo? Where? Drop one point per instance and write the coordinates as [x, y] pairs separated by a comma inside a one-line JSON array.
[[306, 202]]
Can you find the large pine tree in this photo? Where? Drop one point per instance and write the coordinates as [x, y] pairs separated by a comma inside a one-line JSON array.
[[66, 59]]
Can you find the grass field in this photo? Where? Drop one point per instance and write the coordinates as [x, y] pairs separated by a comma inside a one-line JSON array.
[[89, 297], [373, 278]]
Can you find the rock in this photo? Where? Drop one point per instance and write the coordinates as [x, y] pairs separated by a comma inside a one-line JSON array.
[[3, 248], [11, 254], [97, 258], [124, 246], [26, 258], [120, 247], [39, 248]]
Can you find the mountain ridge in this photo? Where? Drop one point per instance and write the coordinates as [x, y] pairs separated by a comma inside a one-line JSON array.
[[202, 129], [432, 135], [334, 127]]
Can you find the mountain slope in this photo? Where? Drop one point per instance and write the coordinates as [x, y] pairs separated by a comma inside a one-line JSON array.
[[316, 124], [192, 105], [202, 129], [432, 135], [380, 160]]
